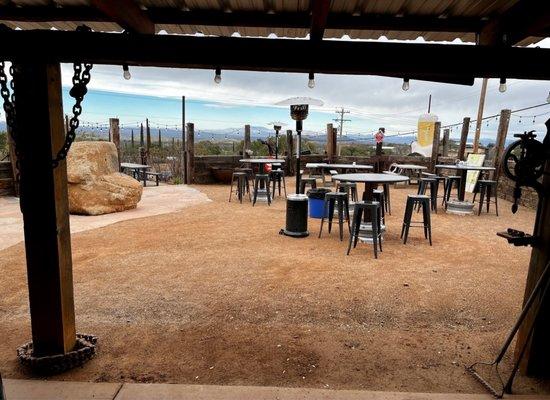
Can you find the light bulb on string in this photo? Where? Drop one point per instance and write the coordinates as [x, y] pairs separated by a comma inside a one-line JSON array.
[[502, 86], [405, 85], [311, 81], [218, 76], [126, 71]]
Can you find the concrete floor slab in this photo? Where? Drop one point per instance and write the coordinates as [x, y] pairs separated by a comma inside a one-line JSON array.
[[155, 200], [23, 389]]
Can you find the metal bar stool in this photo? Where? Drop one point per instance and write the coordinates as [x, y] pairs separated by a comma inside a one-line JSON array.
[[260, 179], [486, 189], [339, 200], [277, 176], [312, 182], [379, 196], [450, 181], [242, 185], [350, 188], [373, 208], [432, 184], [422, 201]]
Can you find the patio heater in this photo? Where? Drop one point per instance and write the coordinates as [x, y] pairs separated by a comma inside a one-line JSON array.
[[297, 204], [277, 126]]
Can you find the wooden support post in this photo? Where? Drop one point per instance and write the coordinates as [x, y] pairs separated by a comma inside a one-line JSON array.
[[13, 161], [445, 144], [183, 148], [535, 361], [190, 152], [435, 146], [114, 135], [246, 145], [331, 143], [501, 141], [463, 138], [479, 119], [289, 152], [148, 133], [44, 204]]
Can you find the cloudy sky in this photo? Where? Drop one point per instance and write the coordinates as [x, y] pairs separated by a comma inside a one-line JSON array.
[[248, 97]]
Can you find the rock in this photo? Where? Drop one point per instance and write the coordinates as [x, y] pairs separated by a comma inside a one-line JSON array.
[[95, 185]]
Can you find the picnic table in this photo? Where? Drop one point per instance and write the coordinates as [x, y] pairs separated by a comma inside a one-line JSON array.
[[137, 170], [463, 168]]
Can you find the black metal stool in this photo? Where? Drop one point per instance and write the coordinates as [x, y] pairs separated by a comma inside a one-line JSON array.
[[487, 188], [312, 182], [432, 184], [341, 201], [422, 201], [379, 196], [242, 185], [387, 202], [277, 176], [350, 188], [261, 180], [373, 207], [449, 182]]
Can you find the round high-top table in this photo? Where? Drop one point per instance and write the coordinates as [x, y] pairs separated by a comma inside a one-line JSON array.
[[463, 173], [261, 162], [371, 182]]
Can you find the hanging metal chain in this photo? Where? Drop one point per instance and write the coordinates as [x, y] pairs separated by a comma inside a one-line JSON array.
[[81, 78]]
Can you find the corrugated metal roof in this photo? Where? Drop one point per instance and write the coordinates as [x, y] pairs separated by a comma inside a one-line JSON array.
[[437, 8]]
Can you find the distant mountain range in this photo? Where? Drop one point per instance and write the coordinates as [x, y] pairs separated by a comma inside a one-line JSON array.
[[257, 132]]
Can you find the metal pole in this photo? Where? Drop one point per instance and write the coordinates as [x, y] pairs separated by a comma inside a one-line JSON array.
[[429, 103], [183, 155], [276, 143], [480, 114], [298, 151]]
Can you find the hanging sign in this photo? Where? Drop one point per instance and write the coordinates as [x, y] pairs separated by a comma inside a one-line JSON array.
[[425, 135]]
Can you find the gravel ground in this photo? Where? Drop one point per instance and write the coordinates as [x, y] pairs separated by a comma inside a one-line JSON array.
[[212, 294]]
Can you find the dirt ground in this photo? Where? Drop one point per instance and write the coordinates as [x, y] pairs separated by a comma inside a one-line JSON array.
[[212, 294]]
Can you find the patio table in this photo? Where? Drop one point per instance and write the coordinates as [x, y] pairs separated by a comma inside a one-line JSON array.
[[410, 169], [137, 170], [371, 182], [342, 167], [463, 168]]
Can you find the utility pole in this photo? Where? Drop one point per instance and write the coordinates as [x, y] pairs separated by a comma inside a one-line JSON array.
[[341, 120], [480, 114]]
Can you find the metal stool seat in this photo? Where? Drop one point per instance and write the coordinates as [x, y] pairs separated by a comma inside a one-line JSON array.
[[242, 185], [277, 176], [487, 188], [422, 201], [372, 207], [261, 180], [433, 185], [341, 201], [450, 181], [312, 182], [350, 188]]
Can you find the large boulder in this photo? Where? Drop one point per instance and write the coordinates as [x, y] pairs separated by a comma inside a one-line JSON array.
[[95, 184]]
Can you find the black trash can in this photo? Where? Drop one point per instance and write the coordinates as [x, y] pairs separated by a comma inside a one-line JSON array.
[[296, 216]]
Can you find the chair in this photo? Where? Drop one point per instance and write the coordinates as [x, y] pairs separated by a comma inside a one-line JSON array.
[[487, 188], [350, 188], [432, 184], [312, 182], [450, 181], [372, 207], [277, 176], [242, 184], [413, 201], [259, 181], [340, 200]]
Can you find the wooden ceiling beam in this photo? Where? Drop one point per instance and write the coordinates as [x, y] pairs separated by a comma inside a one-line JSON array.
[[319, 14], [525, 18], [127, 14], [270, 19], [414, 61]]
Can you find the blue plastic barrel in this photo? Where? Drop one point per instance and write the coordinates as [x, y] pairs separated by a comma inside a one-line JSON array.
[[316, 199]]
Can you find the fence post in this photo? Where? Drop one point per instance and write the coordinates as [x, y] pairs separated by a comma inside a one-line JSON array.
[[501, 140], [289, 152], [148, 131], [141, 139], [435, 146], [331, 142], [463, 138], [445, 144], [246, 145], [190, 152], [114, 135]]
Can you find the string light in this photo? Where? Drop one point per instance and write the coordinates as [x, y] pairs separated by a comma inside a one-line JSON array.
[[311, 82], [218, 76], [126, 72], [405, 85], [502, 86]]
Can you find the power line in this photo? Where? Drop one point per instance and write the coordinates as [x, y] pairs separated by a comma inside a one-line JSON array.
[[342, 120]]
